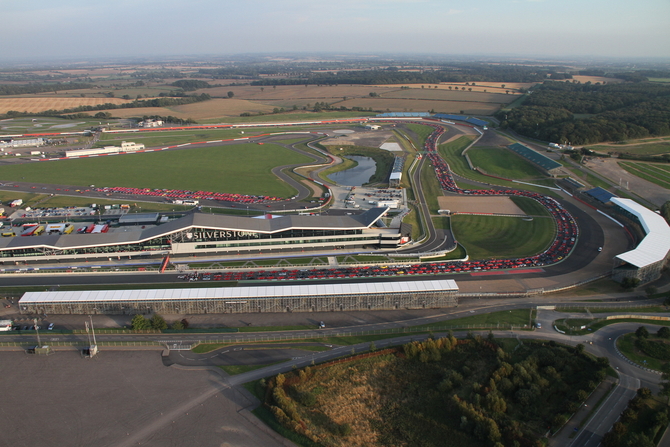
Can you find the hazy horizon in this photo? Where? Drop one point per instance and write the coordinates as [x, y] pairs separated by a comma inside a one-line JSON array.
[[71, 29]]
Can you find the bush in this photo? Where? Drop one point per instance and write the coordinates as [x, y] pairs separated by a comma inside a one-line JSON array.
[[655, 349], [140, 323], [344, 430], [629, 283], [642, 332], [158, 323]]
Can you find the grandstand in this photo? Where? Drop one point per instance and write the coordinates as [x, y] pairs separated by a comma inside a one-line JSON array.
[[570, 184], [275, 298], [646, 261], [546, 164], [600, 194], [396, 172], [467, 119], [403, 115]]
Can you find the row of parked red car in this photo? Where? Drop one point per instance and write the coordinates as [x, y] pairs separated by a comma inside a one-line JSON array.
[[566, 235], [189, 195]]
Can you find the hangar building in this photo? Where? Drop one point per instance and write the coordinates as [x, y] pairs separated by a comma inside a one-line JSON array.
[[274, 298]]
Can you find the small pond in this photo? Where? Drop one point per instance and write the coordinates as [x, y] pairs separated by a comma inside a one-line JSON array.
[[357, 175]]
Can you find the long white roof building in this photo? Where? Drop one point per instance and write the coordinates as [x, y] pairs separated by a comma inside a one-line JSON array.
[[655, 245]]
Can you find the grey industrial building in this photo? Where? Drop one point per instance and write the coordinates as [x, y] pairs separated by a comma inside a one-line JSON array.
[[272, 298]]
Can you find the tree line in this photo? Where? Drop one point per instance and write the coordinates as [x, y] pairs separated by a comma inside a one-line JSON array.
[[615, 112], [22, 89]]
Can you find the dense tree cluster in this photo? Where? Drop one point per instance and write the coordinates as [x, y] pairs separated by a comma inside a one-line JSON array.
[[665, 211], [188, 85], [156, 74], [169, 119], [639, 423], [22, 89], [536, 388], [615, 112]]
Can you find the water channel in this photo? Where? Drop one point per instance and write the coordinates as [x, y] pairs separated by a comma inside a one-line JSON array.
[[357, 175]]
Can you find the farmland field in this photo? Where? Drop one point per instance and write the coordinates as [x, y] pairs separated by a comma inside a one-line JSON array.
[[213, 108], [489, 87], [448, 95], [503, 163], [35, 105], [487, 237], [242, 169], [313, 93], [419, 105]]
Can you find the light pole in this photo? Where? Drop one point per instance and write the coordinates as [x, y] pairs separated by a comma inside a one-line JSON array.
[[37, 332]]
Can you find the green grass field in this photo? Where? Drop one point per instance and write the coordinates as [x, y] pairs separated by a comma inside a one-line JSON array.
[[244, 169], [431, 187], [503, 163], [422, 132], [658, 174], [529, 206], [585, 175], [46, 124], [626, 345], [451, 152], [172, 137], [486, 237]]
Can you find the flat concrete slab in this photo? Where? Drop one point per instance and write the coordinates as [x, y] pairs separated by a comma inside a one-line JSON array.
[[119, 399]]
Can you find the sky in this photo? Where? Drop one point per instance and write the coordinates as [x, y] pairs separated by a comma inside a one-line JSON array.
[[53, 29]]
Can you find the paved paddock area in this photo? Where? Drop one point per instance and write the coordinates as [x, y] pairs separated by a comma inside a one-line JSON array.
[[119, 399]]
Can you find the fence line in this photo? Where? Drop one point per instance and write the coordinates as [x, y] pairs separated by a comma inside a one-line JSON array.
[[568, 306], [283, 337]]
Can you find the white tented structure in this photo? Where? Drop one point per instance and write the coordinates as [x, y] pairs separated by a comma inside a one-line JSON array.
[[126, 146], [648, 258]]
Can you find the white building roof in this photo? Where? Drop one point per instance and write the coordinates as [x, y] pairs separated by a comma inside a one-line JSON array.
[[655, 245], [236, 293]]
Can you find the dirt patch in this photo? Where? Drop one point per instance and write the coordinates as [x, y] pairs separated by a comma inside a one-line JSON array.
[[315, 191], [488, 205]]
